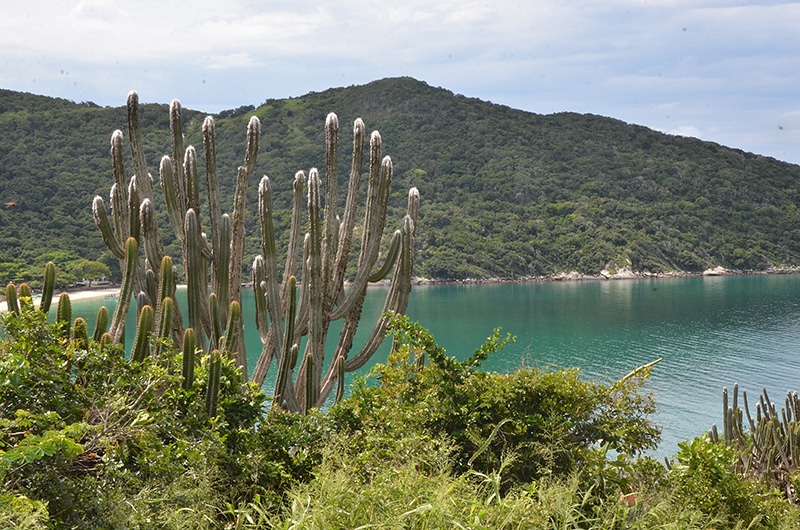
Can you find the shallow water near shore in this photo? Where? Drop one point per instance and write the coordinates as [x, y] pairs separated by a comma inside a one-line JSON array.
[[710, 331]]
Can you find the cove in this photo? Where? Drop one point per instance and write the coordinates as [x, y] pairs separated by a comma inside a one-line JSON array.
[[710, 331]]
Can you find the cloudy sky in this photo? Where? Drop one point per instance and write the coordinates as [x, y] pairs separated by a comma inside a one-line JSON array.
[[721, 70]]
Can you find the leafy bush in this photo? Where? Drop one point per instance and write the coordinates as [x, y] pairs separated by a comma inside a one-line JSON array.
[[549, 421]]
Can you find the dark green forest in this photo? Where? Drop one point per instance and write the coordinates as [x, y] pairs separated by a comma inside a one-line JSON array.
[[505, 193]]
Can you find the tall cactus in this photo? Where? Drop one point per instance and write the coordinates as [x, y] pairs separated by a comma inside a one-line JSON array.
[[326, 250], [326, 256], [132, 227]]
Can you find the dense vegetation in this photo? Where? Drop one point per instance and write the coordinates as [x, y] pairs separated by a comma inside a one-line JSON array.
[[89, 439], [505, 193]]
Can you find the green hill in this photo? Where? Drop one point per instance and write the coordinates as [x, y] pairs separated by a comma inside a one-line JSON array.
[[505, 193]]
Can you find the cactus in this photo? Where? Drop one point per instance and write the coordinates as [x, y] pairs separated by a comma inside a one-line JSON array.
[[80, 333], [64, 313], [48, 287], [101, 323], [326, 253], [12, 303], [768, 445], [188, 359], [212, 387], [141, 343], [134, 217]]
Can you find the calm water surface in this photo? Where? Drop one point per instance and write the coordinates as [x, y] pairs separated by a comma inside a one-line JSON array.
[[711, 332]]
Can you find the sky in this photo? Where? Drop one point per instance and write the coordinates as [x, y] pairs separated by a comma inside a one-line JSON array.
[[726, 71]]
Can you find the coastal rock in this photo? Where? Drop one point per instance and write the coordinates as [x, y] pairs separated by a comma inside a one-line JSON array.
[[716, 271], [625, 273]]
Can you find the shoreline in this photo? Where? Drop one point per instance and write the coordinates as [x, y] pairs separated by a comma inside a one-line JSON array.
[[625, 274]]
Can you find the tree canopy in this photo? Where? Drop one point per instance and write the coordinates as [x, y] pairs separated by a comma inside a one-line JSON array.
[[505, 193]]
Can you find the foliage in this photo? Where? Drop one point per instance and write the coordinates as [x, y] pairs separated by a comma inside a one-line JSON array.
[[507, 193], [705, 477], [436, 443], [549, 421], [100, 441]]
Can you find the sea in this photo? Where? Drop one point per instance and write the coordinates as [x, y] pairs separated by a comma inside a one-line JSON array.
[[709, 332]]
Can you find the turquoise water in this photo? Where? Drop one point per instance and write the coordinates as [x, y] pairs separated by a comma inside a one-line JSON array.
[[711, 332]]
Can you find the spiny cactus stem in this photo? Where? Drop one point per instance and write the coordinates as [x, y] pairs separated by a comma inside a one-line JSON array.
[[101, 220], [64, 313], [196, 288], [188, 359], [176, 134], [101, 323], [80, 333], [12, 302], [316, 341], [234, 319], [212, 388], [137, 150], [290, 349], [339, 379], [48, 286], [141, 343], [126, 290]]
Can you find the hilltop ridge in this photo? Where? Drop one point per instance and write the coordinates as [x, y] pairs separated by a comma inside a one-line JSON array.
[[505, 193]]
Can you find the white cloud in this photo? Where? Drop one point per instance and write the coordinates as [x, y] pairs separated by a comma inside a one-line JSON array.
[[727, 69]]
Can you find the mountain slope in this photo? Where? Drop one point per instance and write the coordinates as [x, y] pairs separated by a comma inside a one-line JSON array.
[[505, 193]]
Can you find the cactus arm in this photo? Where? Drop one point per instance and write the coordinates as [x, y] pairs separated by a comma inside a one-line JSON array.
[[260, 298], [308, 372], [80, 333], [194, 278], [391, 258], [222, 259], [340, 379], [216, 328], [176, 135], [330, 231], [133, 209], [270, 264], [151, 241], [239, 205], [316, 338], [374, 221], [126, 291], [176, 210], [25, 297], [290, 348], [396, 299], [348, 221], [234, 318], [212, 388], [214, 207], [164, 323], [119, 197], [48, 286], [295, 236], [64, 313], [188, 359], [141, 342], [191, 180], [145, 183], [101, 323], [12, 302], [102, 222]]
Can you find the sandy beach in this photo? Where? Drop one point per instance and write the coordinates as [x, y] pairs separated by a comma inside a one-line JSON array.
[[85, 294]]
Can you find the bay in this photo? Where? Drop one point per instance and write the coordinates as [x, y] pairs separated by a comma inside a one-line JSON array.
[[710, 332]]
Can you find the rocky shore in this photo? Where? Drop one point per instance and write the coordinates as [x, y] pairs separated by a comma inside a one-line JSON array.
[[617, 274]]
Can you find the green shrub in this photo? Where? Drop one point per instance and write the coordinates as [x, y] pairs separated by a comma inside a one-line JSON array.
[[705, 478], [549, 420]]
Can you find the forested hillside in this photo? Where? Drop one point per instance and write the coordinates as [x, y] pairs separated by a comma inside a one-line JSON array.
[[505, 193]]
